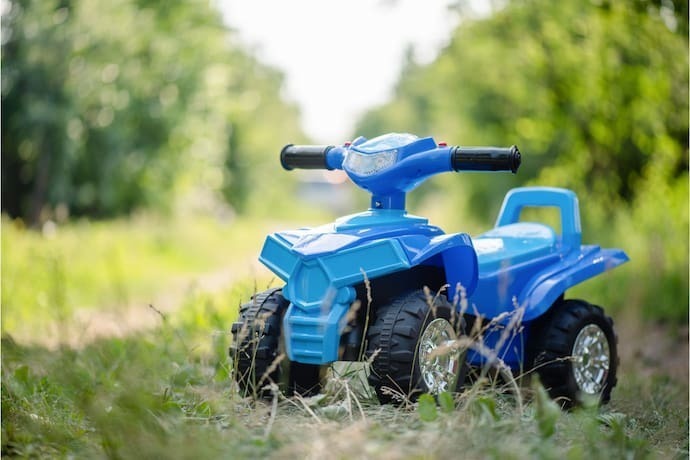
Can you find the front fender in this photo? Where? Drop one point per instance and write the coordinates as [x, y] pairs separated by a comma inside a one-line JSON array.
[[320, 286], [457, 256]]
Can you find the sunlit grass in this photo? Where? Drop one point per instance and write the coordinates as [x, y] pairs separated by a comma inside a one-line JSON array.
[[48, 275]]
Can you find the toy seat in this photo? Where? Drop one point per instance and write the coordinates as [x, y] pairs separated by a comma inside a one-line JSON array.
[[513, 244]]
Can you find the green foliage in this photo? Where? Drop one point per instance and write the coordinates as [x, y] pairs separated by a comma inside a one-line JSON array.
[[426, 407], [484, 407], [112, 107], [596, 96], [446, 402], [547, 411]]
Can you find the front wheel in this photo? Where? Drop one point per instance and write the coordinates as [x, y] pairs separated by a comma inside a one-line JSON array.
[[575, 353], [257, 349], [414, 348]]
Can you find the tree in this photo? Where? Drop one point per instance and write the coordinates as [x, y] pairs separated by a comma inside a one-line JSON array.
[[110, 107]]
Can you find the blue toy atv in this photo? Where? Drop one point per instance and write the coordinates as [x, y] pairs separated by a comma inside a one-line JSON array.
[[387, 286]]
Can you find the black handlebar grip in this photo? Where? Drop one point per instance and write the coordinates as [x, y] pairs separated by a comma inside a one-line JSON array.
[[304, 156], [486, 159]]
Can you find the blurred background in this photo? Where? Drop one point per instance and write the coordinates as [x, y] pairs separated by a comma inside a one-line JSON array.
[[140, 138]]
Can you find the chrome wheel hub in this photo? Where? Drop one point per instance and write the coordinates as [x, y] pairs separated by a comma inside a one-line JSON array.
[[439, 362], [591, 359]]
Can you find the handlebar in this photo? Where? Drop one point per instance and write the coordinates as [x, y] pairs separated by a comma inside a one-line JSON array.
[[485, 159], [304, 157], [391, 165], [461, 158]]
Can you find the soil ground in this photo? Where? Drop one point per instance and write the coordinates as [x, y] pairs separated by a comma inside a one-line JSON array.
[[653, 348]]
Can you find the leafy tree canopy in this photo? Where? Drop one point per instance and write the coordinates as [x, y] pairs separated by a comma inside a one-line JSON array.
[[112, 106], [595, 94]]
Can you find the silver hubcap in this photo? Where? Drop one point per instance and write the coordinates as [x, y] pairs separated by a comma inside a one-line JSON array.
[[591, 359], [439, 363]]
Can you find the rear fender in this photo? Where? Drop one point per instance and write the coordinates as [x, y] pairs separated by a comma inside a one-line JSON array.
[[539, 294]]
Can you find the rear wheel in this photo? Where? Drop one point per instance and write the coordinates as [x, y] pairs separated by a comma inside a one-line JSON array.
[[575, 353], [414, 348], [257, 346]]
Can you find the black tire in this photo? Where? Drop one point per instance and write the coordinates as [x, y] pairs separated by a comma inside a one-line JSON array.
[[552, 350], [257, 344], [393, 340]]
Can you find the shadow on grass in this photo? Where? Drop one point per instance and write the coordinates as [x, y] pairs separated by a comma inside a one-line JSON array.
[[151, 396], [126, 398]]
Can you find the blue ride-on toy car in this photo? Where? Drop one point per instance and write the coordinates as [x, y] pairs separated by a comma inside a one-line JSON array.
[[406, 276]]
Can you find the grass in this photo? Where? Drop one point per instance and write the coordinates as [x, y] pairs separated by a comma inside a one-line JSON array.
[[168, 393]]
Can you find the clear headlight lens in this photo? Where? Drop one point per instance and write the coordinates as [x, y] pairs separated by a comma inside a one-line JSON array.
[[366, 164]]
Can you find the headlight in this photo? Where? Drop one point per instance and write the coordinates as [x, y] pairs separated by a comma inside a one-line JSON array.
[[366, 164]]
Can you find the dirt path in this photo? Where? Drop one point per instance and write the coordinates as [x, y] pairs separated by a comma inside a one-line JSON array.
[[653, 349], [89, 324]]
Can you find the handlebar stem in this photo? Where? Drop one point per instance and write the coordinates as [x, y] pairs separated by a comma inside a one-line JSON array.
[[392, 201]]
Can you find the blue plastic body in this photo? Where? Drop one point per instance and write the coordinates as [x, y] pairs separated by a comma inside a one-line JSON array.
[[515, 267], [320, 267], [526, 265]]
